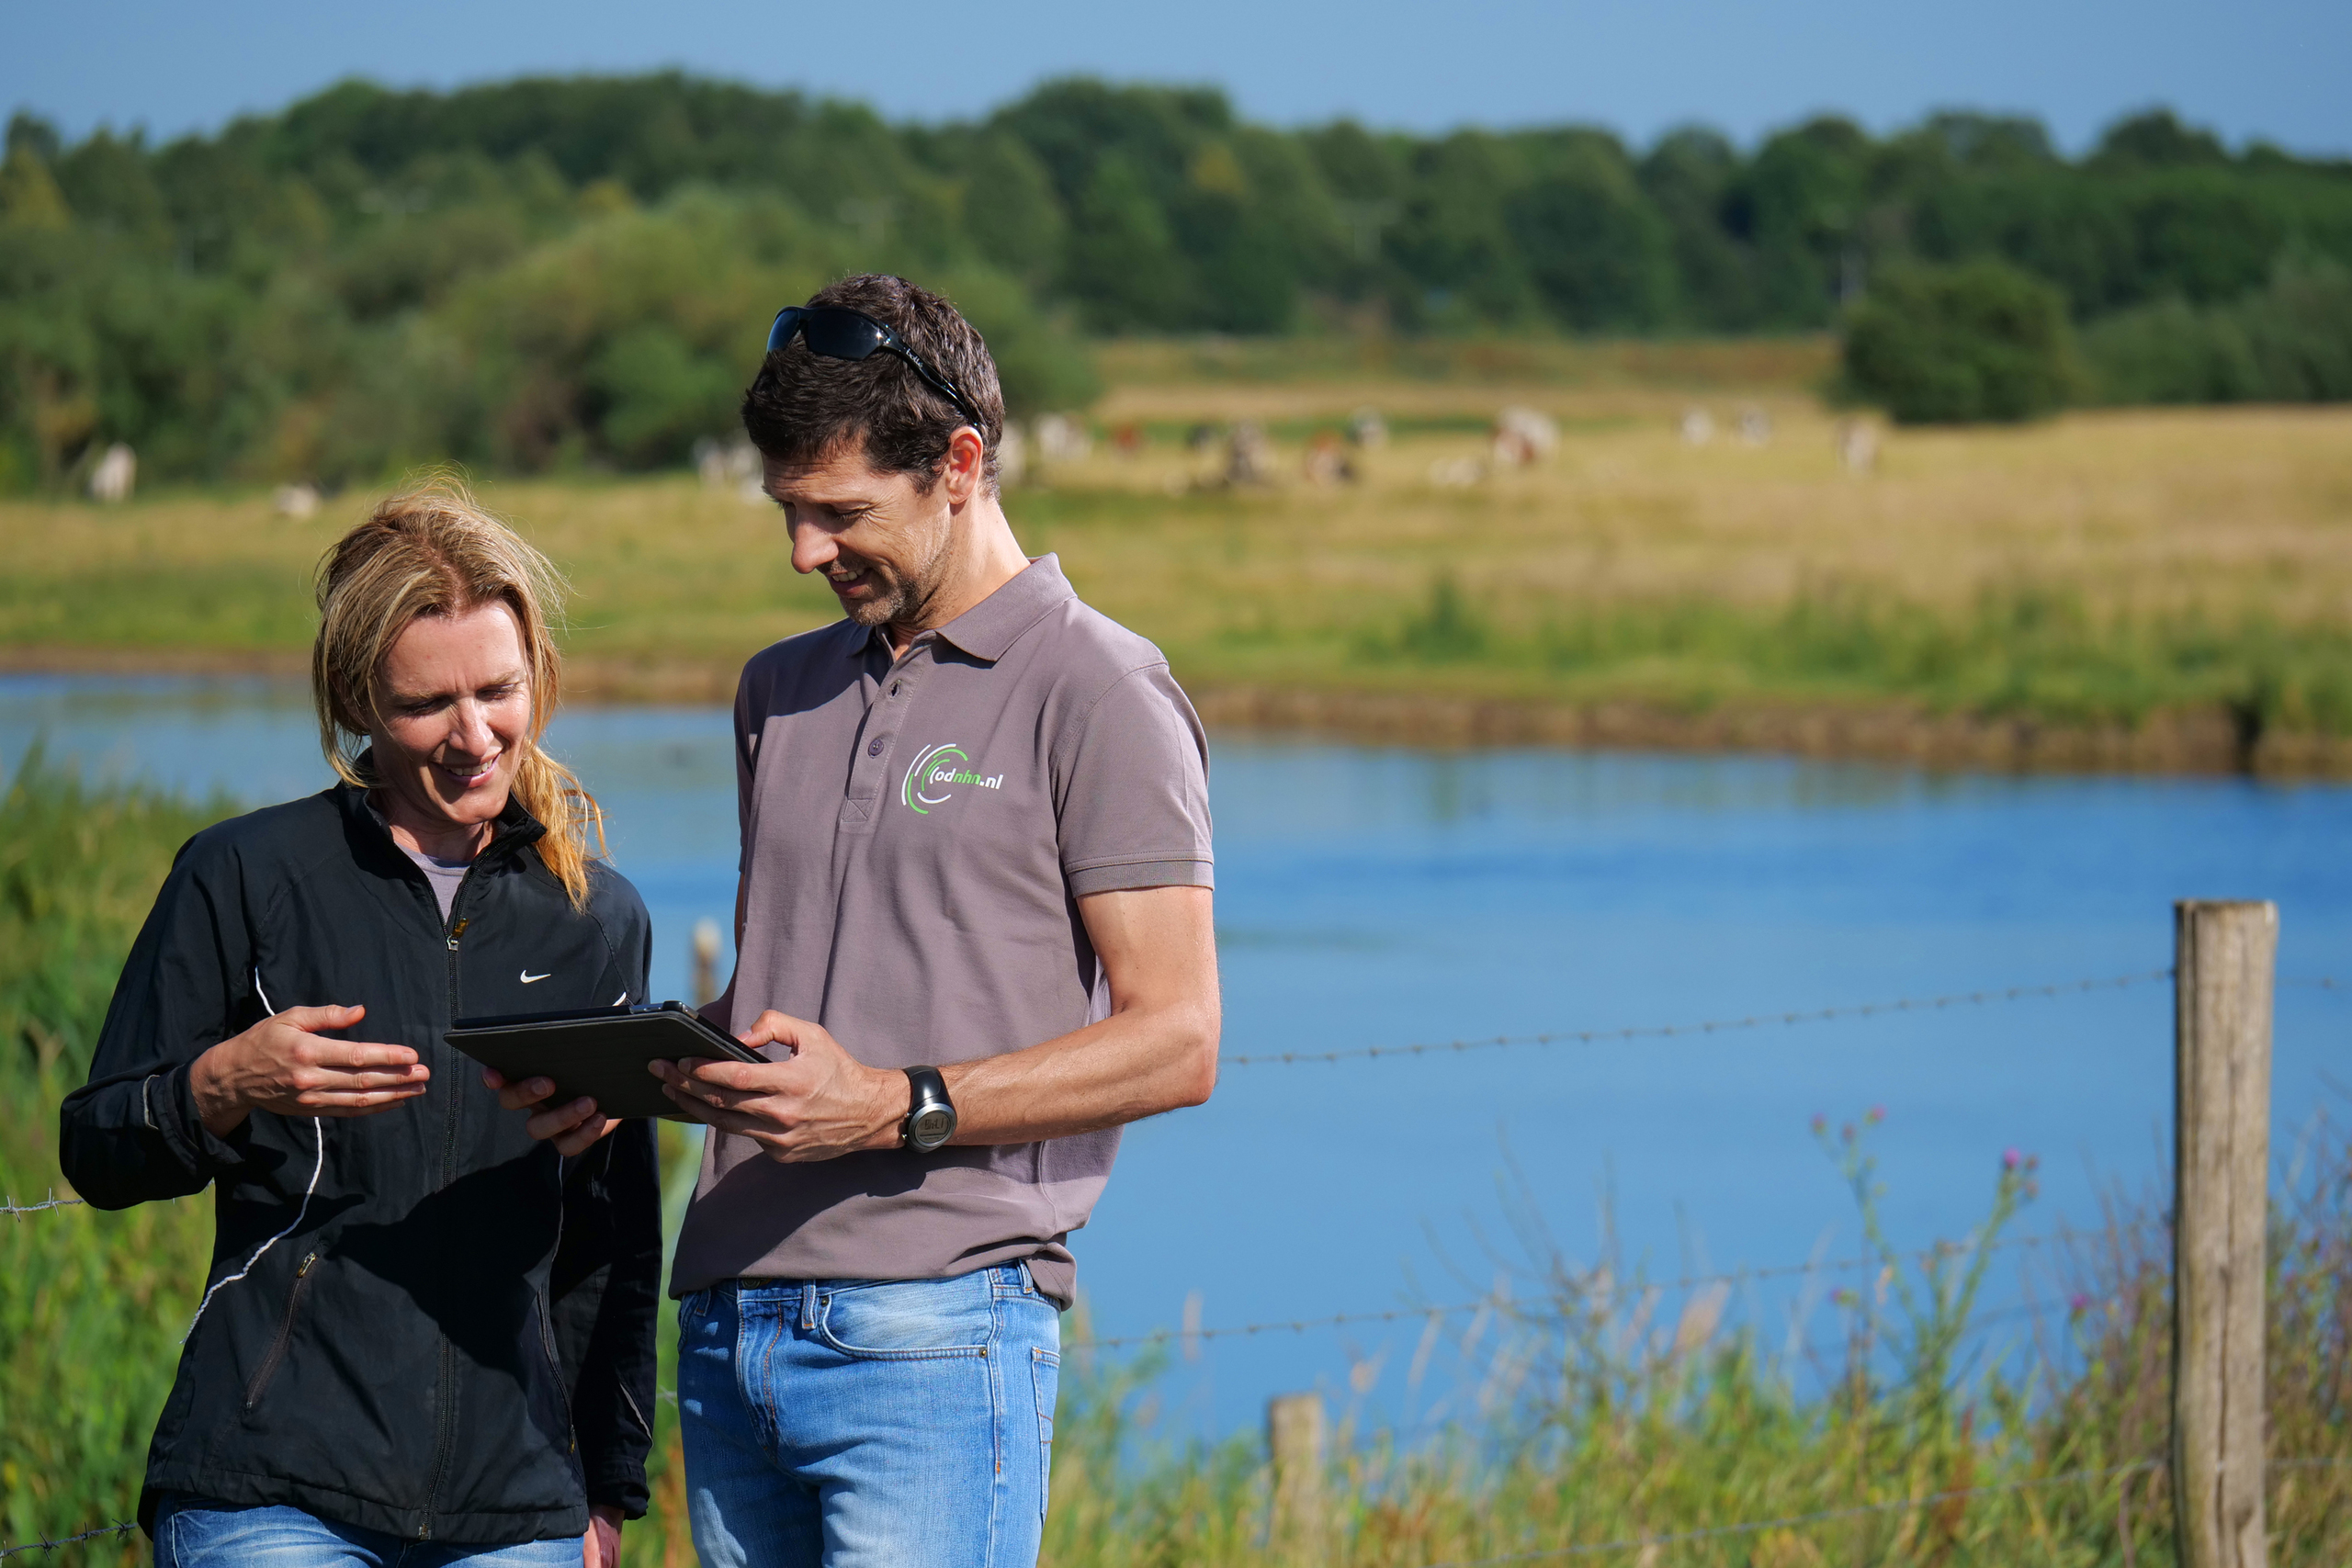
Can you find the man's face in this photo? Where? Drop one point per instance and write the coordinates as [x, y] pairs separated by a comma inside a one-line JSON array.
[[882, 545]]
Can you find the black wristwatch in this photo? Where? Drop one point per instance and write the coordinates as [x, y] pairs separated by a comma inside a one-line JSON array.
[[931, 1115]]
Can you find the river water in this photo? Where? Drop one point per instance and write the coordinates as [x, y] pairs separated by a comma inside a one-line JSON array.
[[1376, 897]]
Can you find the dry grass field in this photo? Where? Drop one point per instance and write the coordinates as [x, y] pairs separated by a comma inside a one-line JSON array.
[[2165, 588]]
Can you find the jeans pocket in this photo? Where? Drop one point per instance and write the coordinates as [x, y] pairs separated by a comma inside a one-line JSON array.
[[1046, 1371], [908, 1320]]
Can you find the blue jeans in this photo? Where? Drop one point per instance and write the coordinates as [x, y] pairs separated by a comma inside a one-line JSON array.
[[864, 1424], [196, 1532]]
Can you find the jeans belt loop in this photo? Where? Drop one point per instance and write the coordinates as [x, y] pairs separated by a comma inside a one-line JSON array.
[[808, 1306]]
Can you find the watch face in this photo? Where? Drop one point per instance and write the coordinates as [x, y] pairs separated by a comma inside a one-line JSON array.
[[932, 1126]]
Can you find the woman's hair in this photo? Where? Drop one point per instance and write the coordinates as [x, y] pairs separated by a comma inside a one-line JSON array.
[[430, 549]]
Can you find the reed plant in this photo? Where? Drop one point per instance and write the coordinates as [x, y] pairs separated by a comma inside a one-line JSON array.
[[1605, 1412], [91, 1305]]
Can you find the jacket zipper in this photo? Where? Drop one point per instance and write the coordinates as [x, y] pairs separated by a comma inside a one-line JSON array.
[[445, 1404], [555, 1369], [268, 1368]]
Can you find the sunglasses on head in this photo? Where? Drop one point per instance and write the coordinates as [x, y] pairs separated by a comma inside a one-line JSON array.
[[839, 333]]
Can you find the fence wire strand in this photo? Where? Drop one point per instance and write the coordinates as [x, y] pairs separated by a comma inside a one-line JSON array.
[[127, 1524], [10, 1206], [1706, 1026], [1630, 1288]]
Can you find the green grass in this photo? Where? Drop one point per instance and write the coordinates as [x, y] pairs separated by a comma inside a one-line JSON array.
[[1600, 1417], [91, 1305], [2024, 652], [2100, 570]]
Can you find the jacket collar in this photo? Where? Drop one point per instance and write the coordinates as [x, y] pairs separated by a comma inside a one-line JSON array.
[[989, 629], [514, 827]]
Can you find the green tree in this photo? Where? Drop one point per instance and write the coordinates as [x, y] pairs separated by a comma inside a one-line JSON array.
[[1595, 244], [1687, 177], [1014, 218], [1800, 205], [1954, 344], [1124, 268]]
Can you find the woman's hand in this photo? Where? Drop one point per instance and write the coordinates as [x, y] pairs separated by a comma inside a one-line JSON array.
[[282, 1065], [601, 1547], [573, 1126]]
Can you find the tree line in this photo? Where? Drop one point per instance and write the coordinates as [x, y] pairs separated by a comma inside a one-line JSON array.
[[545, 272]]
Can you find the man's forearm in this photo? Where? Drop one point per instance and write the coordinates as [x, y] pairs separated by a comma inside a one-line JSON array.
[[1157, 1052], [1131, 1065]]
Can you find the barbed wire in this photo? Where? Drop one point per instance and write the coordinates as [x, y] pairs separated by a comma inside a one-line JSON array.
[[2315, 982], [1706, 1026], [128, 1525], [1629, 1287], [1822, 1516], [9, 1205]]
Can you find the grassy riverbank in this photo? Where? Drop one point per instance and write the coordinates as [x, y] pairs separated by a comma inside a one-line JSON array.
[[2166, 589], [1603, 1415]]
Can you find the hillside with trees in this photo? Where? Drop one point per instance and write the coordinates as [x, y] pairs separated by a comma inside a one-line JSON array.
[[563, 272]]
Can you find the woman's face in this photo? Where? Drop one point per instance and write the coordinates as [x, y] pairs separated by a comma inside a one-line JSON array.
[[453, 700]]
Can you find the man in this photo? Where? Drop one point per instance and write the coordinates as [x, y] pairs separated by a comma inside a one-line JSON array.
[[974, 924]]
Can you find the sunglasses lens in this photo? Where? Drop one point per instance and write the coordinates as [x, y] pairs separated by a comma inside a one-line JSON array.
[[839, 334], [786, 321]]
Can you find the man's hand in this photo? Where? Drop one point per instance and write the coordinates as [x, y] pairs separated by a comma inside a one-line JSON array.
[[281, 1065], [575, 1126], [601, 1547], [819, 1103]]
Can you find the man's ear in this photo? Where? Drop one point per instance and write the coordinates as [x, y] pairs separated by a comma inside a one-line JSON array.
[[966, 467]]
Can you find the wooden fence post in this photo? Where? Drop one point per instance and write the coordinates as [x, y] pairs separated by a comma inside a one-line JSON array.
[[1295, 1435], [705, 949], [2224, 958]]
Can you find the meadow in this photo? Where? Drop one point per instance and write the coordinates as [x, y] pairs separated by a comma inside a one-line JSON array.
[[1606, 1411], [2158, 589]]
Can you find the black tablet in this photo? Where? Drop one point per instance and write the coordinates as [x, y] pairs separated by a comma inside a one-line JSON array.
[[599, 1051]]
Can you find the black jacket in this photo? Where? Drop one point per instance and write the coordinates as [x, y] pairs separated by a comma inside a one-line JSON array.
[[455, 1340]]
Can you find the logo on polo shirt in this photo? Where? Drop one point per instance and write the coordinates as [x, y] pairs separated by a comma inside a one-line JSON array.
[[937, 771]]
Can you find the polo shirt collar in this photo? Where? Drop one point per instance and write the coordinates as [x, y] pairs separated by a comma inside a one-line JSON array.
[[990, 628]]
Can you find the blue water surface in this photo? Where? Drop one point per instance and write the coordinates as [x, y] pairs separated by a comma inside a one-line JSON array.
[[1380, 897]]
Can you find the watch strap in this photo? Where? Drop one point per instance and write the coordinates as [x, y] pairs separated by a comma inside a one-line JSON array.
[[927, 1097]]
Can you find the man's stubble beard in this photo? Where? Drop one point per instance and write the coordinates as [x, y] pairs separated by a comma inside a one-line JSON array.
[[903, 599]]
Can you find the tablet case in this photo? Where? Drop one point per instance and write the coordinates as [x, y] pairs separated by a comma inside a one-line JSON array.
[[598, 1051]]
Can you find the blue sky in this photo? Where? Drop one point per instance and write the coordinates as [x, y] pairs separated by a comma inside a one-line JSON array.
[[2272, 69]]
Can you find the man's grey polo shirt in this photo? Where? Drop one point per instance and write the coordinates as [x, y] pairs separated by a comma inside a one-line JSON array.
[[916, 837]]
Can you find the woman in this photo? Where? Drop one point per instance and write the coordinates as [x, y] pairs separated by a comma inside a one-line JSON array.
[[425, 1337]]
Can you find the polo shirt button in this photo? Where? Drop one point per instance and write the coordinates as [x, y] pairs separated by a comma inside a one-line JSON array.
[[874, 748]]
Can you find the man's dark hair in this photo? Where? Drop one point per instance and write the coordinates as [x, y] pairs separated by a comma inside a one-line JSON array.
[[802, 407]]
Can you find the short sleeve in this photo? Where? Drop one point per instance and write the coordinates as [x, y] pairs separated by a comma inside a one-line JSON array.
[[1133, 790], [748, 723]]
